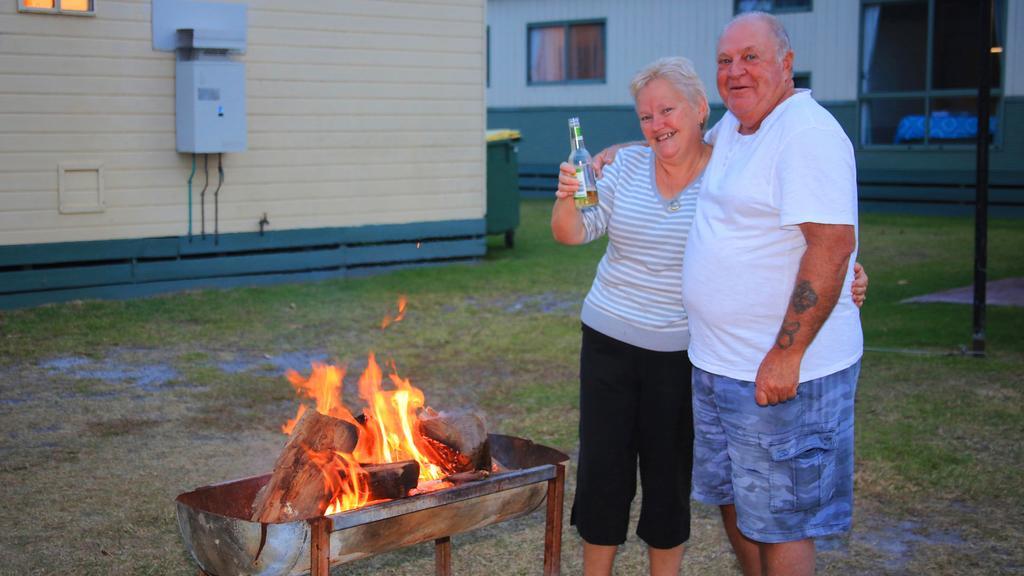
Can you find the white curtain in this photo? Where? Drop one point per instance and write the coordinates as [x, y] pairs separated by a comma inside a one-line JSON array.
[[547, 54], [871, 14], [870, 33]]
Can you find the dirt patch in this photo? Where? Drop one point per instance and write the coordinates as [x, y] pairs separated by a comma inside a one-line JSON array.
[[113, 368], [120, 426], [141, 421], [897, 542], [237, 363], [544, 303]]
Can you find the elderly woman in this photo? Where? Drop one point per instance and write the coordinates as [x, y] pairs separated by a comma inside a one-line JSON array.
[[634, 372], [635, 388]]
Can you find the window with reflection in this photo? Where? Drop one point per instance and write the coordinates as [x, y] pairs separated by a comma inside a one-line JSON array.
[[919, 72], [57, 6], [773, 6], [566, 52]]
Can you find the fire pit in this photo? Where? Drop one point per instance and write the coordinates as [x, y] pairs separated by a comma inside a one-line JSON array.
[[348, 486], [215, 520]]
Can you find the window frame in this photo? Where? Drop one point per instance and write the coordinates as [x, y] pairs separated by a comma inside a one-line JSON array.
[[928, 94], [566, 25], [57, 9], [787, 10]]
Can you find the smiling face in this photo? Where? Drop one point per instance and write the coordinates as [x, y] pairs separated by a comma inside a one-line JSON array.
[[669, 122], [752, 80]]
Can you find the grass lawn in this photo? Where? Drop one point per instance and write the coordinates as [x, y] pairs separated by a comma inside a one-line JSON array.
[[108, 410]]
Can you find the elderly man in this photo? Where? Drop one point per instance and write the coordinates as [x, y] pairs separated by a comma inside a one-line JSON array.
[[776, 352]]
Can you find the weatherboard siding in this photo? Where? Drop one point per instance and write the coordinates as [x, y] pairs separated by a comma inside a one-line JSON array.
[[359, 112], [637, 33]]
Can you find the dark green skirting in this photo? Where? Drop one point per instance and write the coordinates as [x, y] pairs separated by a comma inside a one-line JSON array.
[[113, 269]]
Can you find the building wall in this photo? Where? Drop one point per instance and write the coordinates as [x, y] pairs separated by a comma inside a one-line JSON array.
[[359, 112], [626, 24], [636, 34], [640, 32], [826, 42]]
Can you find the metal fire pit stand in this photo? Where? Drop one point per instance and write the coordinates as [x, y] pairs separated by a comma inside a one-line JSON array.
[[553, 474], [215, 524]]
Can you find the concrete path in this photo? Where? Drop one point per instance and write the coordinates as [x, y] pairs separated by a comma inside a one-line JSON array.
[[1007, 292]]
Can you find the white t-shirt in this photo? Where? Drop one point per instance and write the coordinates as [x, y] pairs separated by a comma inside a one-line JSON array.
[[745, 245]]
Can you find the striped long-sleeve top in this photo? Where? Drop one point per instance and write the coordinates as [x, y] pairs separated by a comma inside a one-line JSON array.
[[636, 296]]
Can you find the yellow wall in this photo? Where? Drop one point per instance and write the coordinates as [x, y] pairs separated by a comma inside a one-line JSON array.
[[359, 112]]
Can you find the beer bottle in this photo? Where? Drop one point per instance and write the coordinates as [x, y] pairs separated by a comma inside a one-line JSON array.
[[586, 194]]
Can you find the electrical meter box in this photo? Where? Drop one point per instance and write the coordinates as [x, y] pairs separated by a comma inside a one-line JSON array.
[[209, 84], [210, 106]]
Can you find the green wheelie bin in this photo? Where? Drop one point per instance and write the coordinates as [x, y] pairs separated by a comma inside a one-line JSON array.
[[503, 183]]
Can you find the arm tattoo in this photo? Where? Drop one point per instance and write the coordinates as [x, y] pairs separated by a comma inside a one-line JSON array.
[[786, 334], [804, 297]]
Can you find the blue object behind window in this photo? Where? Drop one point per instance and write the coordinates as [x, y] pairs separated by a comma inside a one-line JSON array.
[[944, 126]]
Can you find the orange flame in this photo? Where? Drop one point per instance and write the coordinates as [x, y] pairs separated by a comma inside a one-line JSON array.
[[391, 431], [388, 320], [388, 430], [324, 387], [344, 479]]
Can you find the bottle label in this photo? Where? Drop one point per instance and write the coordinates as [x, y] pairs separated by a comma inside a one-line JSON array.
[[577, 135], [581, 178]]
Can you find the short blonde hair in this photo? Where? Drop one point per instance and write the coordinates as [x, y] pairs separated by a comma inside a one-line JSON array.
[[679, 72]]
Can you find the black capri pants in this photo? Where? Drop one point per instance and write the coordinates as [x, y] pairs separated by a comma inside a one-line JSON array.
[[635, 407]]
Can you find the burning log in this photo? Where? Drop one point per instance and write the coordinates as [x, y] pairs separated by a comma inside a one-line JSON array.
[[461, 478], [391, 480], [296, 487], [323, 470], [460, 437]]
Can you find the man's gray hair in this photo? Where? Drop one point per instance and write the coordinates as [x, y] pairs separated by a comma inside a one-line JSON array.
[[778, 30], [678, 72]]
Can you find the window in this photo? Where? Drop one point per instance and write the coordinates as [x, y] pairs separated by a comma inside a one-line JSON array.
[[802, 80], [488, 63], [773, 6], [919, 72], [565, 52], [80, 7]]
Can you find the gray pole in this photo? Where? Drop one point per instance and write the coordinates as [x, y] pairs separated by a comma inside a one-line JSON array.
[[981, 186]]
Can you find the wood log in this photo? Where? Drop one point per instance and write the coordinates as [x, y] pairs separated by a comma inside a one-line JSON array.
[[296, 487], [460, 478], [463, 439], [391, 480]]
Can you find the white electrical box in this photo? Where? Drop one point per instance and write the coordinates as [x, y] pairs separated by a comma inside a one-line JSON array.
[[210, 106], [209, 83]]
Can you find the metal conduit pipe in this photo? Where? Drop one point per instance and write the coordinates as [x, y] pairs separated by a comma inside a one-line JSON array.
[[190, 196], [202, 196], [216, 204]]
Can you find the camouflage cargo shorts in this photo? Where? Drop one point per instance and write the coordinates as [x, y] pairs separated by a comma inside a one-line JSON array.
[[788, 468]]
